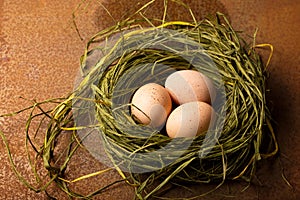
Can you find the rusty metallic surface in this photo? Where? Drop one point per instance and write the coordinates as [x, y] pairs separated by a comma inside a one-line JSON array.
[[39, 59]]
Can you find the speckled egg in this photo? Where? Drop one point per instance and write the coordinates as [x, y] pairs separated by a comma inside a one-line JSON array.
[[190, 119], [189, 85], [151, 105]]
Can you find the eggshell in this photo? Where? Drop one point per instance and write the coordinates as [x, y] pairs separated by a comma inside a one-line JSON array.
[[189, 85], [151, 105], [190, 119]]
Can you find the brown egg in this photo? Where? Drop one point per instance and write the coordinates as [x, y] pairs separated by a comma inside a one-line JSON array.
[[189, 85], [151, 105], [190, 119]]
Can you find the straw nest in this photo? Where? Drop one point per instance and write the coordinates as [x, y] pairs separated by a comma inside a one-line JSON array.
[[147, 158]]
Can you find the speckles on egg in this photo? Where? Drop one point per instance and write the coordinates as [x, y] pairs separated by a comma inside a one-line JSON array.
[[189, 85], [151, 105], [190, 119]]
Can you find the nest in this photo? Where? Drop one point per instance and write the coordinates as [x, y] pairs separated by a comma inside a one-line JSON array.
[[129, 55]]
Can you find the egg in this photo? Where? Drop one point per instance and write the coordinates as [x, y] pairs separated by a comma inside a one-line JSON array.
[[190, 119], [189, 85], [151, 105]]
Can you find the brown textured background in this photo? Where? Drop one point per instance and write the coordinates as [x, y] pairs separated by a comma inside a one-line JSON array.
[[39, 58]]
